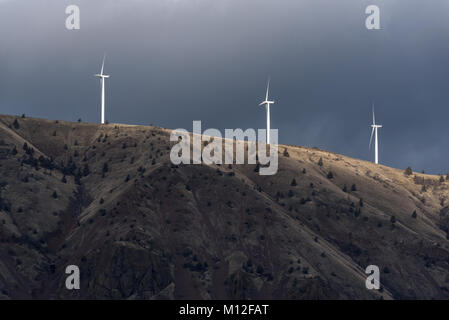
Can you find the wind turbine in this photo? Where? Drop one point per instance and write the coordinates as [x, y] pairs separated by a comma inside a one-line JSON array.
[[376, 148], [102, 77], [267, 104]]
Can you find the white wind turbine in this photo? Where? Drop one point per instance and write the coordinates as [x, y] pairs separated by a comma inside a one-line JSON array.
[[376, 147], [267, 103], [102, 77]]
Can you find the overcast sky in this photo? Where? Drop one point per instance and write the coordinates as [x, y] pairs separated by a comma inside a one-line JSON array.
[[174, 61]]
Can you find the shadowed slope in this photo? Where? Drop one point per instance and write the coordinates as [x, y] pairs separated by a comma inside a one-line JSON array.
[[108, 199]]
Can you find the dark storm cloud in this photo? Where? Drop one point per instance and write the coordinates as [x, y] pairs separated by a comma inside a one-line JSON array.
[[174, 61]]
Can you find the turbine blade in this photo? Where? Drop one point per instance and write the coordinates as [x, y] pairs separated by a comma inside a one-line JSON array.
[[102, 66], [371, 139], [268, 88], [374, 118]]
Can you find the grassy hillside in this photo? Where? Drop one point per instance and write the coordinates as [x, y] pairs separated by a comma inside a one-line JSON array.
[[107, 199]]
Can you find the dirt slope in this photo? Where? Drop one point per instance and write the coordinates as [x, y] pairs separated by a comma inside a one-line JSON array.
[[107, 199]]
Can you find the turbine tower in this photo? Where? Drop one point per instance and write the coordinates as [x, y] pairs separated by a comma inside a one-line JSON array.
[[102, 77], [376, 147], [267, 104]]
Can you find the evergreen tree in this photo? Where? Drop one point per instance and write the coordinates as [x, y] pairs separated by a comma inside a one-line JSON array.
[[86, 170]]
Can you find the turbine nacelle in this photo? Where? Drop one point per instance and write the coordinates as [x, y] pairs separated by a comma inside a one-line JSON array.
[[266, 102], [101, 76]]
